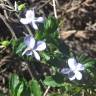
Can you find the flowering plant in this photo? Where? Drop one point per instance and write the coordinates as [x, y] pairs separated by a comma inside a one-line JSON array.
[[31, 19], [74, 69], [33, 47], [53, 56]]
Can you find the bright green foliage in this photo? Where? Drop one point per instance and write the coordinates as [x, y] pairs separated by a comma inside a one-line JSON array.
[[21, 7], [17, 86], [20, 87], [49, 32], [50, 26], [35, 88], [14, 85], [18, 46], [5, 43]]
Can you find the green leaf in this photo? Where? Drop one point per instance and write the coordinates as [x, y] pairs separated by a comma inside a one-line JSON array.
[[13, 83], [39, 36], [15, 44], [20, 89], [35, 88], [20, 48], [50, 29], [21, 7], [87, 61], [5, 43], [45, 56], [54, 81], [51, 25]]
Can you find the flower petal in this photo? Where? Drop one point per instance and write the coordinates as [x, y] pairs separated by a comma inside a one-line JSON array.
[[40, 46], [72, 78], [71, 75], [80, 67], [40, 19], [30, 14], [36, 55], [34, 25], [25, 20], [72, 63], [27, 52], [29, 41], [24, 51], [78, 75], [65, 71]]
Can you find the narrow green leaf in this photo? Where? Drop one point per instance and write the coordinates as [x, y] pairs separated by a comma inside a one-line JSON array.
[[20, 48], [20, 89], [51, 26]]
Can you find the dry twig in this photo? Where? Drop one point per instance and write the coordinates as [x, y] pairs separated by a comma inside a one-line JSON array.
[[8, 26], [46, 91], [54, 7]]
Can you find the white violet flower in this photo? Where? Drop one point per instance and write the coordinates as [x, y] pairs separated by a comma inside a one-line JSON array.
[[74, 69], [31, 19], [33, 47]]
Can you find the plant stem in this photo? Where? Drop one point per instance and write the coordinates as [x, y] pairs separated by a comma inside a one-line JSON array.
[[45, 93], [29, 70], [54, 7]]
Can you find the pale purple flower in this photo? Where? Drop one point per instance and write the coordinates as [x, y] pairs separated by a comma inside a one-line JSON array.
[[74, 69], [31, 19], [33, 47]]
